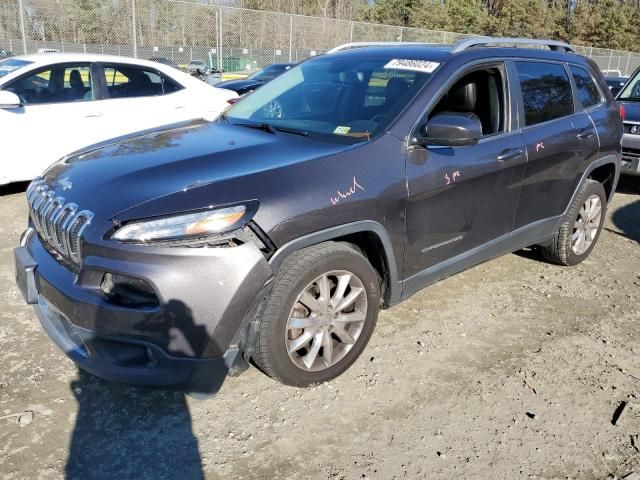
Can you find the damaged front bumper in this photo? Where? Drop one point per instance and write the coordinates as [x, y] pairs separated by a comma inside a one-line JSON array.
[[189, 339]]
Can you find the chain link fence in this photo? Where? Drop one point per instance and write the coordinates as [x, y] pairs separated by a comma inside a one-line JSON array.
[[230, 39]]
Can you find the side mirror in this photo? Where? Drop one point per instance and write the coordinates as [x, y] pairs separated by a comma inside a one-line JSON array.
[[450, 129], [9, 100]]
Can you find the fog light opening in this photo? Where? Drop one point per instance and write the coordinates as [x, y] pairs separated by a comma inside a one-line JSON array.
[[126, 291]]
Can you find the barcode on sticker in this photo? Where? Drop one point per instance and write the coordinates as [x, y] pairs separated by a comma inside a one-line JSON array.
[[415, 65]]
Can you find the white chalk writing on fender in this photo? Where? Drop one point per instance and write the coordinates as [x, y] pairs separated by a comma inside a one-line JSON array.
[[340, 195]]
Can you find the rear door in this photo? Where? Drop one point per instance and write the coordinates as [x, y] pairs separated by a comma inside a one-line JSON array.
[[603, 113], [559, 138], [138, 98]]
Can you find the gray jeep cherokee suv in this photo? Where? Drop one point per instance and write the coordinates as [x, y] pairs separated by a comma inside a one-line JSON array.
[[347, 184]]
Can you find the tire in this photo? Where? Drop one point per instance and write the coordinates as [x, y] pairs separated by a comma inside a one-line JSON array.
[[277, 351], [563, 248]]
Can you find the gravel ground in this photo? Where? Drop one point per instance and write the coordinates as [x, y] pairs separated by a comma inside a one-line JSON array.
[[513, 369]]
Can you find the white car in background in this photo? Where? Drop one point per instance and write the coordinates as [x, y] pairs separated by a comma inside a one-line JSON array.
[[55, 103]]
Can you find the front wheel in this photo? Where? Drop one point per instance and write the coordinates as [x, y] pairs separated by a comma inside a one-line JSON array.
[[320, 315], [580, 227]]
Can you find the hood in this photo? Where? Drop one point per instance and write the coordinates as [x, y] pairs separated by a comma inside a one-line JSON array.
[[243, 84], [631, 110], [118, 176]]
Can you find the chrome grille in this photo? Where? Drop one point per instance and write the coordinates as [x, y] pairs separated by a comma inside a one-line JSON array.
[[59, 224], [60, 220]]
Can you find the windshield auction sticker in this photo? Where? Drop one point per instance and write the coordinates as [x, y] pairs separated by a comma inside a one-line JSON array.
[[414, 65]]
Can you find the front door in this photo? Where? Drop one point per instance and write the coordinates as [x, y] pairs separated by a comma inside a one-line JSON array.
[[463, 198], [59, 114]]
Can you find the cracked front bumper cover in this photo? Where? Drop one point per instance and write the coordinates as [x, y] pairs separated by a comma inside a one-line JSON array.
[[188, 341], [133, 362]]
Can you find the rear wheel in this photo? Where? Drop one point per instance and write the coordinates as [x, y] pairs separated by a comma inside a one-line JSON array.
[[580, 228], [320, 315]]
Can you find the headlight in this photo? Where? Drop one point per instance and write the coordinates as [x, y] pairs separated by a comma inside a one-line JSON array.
[[186, 225]]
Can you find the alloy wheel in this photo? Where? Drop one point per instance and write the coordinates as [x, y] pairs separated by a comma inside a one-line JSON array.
[[326, 320], [587, 224]]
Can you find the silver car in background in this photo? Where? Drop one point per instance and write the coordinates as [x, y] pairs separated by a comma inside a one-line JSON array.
[[629, 100]]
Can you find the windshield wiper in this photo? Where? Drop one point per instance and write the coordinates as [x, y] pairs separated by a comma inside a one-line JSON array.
[[268, 127], [294, 131], [258, 126]]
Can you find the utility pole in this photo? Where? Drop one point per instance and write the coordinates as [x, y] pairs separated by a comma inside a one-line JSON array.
[[135, 36], [22, 29], [290, 36], [571, 6]]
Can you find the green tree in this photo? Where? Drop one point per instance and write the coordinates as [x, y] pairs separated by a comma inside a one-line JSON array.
[[605, 24], [395, 12], [431, 16], [87, 15], [613, 31], [524, 18], [467, 16]]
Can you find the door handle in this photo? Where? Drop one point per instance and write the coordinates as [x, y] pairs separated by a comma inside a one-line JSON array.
[[94, 115], [585, 133], [509, 154]]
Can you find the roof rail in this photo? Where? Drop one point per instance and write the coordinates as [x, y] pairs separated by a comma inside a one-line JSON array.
[[349, 46], [467, 43]]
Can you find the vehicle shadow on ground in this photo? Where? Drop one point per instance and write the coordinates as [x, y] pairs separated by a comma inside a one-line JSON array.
[[531, 253], [628, 184], [13, 188], [126, 432], [139, 433], [627, 220]]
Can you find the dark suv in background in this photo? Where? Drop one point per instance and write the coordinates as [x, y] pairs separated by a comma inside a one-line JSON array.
[[343, 186], [257, 79]]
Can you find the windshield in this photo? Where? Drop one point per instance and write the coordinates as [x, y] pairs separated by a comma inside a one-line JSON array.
[[268, 73], [631, 90], [354, 98], [10, 65]]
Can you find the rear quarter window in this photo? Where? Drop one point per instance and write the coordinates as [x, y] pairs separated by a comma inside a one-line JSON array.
[[587, 89], [546, 91]]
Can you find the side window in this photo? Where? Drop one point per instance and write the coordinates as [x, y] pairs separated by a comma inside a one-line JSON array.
[[587, 89], [59, 84], [481, 92], [546, 91], [125, 81], [386, 86]]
